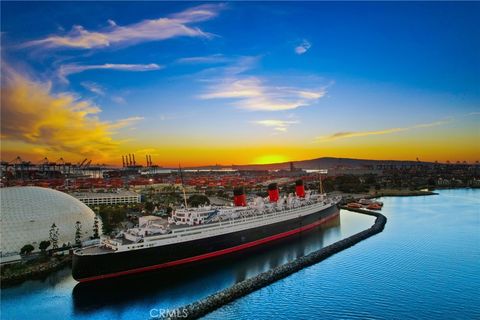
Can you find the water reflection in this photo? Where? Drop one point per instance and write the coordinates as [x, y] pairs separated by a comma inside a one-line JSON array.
[[60, 297], [221, 273], [424, 265]]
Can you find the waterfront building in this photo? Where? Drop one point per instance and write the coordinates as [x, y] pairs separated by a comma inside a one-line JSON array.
[[105, 198]]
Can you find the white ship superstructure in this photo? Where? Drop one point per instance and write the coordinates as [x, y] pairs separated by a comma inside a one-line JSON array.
[[188, 224], [195, 234]]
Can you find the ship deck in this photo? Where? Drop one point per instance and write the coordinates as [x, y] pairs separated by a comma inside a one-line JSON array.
[[182, 233], [93, 250]]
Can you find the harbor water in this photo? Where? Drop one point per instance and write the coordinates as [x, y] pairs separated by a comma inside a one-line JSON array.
[[425, 265]]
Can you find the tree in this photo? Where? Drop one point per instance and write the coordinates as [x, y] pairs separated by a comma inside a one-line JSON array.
[[44, 245], [328, 185], [111, 217], [149, 206], [54, 236], [198, 199], [26, 249], [78, 233], [370, 179], [95, 228]]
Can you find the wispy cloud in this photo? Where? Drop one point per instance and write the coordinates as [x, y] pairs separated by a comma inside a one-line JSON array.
[[277, 125], [303, 47], [119, 99], [175, 25], [354, 134], [253, 93], [125, 122], [235, 66], [210, 59], [99, 90], [68, 69], [93, 87], [256, 93], [32, 114]]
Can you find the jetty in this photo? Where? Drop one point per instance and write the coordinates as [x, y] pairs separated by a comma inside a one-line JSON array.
[[204, 306]]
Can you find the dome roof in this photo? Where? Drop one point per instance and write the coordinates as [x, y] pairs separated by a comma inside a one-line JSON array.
[[27, 214]]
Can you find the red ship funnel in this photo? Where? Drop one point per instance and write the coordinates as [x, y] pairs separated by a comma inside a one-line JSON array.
[[239, 198], [299, 188], [273, 192]]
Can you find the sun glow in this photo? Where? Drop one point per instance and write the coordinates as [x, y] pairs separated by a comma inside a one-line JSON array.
[[270, 158]]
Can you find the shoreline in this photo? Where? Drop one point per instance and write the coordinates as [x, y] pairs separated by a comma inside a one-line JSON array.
[[217, 300], [401, 193], [37, 270], [41, 270], [348, 197]]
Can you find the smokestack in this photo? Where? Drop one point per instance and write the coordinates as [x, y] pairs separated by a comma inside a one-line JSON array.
[[129, 159], [150, 157], [273, 193], [148, 164], [299, 188], [239, 198], [123, 161], [133, 156]]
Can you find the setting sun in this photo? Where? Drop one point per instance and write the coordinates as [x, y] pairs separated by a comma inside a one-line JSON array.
[[270, 158]]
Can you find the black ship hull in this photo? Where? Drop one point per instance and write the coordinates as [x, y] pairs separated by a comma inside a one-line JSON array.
[[104, 266]]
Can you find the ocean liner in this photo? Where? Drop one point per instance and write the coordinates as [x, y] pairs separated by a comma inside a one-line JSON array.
[[192, 235]]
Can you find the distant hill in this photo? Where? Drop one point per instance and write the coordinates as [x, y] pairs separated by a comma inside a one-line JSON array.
[[318, 163]]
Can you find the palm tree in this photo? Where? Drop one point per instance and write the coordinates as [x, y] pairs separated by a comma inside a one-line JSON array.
[[78, 233], [54, 236]]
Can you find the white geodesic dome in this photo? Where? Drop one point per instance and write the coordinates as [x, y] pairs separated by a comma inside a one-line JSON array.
[[27, 214]]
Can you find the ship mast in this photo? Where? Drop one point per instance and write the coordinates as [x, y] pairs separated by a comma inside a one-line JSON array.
[[320, 186], [320, 180], [183, 186]]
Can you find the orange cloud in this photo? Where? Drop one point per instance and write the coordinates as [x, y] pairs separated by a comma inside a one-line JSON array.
[[33, 115], [353, 134]]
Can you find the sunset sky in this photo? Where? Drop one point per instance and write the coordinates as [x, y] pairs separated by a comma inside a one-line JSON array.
[[240, 82]]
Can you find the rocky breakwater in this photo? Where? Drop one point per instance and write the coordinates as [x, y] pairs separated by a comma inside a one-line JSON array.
[[40, 268], [202, 307]]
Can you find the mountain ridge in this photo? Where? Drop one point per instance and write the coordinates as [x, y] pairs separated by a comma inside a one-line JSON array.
[[316, 163]]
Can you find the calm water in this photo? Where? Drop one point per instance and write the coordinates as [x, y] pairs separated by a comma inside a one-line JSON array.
[[60, 297], [426, 264]]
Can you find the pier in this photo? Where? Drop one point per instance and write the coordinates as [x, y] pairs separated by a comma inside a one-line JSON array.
[[202, 307]]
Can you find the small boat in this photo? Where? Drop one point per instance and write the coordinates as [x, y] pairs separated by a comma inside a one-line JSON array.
[[365, 201], [374, 206], [354, 205]]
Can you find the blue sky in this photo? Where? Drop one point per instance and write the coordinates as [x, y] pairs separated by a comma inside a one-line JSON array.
[[306, 79]]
